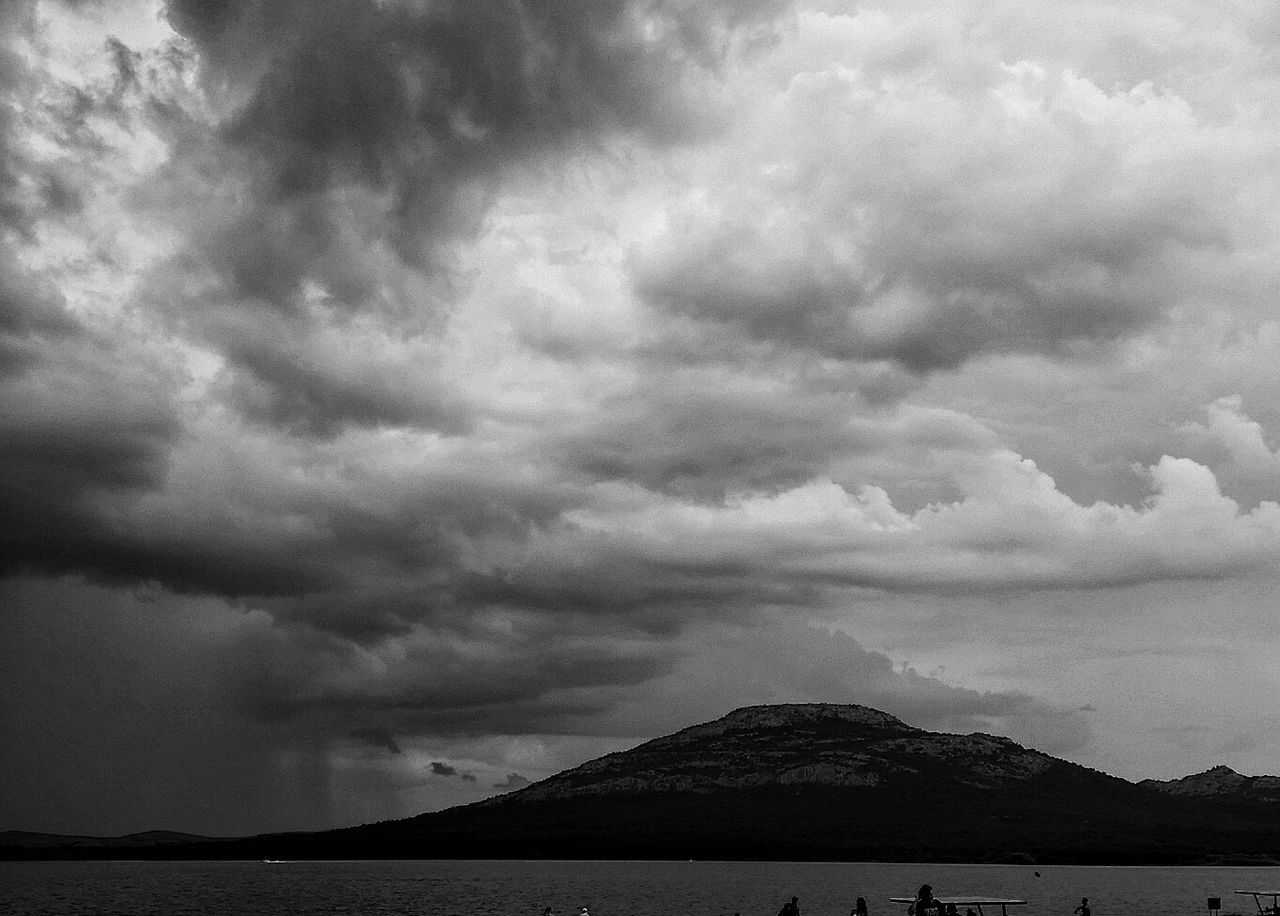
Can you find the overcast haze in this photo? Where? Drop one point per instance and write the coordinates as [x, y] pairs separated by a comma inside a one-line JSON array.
[[403, 400]]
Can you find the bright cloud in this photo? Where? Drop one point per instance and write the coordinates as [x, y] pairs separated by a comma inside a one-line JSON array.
[[1012, 528]]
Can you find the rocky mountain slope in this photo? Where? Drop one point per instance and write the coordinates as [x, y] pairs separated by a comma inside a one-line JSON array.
[[814, 782], [1221, 782], [798, 745]]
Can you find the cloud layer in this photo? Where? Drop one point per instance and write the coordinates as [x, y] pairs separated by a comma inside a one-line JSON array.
[[479, 388]]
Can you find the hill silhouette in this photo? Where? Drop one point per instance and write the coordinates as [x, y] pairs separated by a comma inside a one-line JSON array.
[[813, 782]]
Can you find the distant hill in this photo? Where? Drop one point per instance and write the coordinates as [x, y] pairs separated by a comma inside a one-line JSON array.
[[1222, 782], [790, 746], [25, 839], [810, 782]]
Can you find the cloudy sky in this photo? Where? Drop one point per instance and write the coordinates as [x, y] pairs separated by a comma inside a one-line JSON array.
[[404, 399]]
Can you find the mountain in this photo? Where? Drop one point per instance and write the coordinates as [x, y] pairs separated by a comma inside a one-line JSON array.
[[1222, 782], [802, 745], [809, 782], [26, 839]]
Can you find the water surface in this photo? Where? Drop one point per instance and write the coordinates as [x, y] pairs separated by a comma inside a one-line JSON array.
[[496, 888]]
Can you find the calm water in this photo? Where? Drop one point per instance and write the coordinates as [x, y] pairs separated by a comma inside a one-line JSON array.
[[608, 888]]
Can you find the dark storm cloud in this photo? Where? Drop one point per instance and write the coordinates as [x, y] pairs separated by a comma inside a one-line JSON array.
[[420, 107], [57, 460], [15, 19], [301, 391], [90, 426], [656, 594], [701, 437], [81, 420], [412, 112], [512, 782], [942, 307], [32, 316], [468, 381], [377, 737], [483, 676], [444, 769], [32, 311], [421, 97], [115, 720], [359, 554]]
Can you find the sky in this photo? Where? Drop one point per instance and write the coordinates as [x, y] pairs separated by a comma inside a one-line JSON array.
[[403, 400]]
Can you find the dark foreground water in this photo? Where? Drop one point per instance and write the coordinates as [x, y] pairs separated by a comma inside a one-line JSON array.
[[608, 888]]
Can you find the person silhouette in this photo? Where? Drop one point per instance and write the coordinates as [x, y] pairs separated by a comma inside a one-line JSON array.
[[924, 901], [790, 908], [1083, 908], [859, 907]]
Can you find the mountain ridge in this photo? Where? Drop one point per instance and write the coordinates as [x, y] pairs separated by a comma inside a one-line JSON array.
[[809, 782], [883, 748], [1220, 781]]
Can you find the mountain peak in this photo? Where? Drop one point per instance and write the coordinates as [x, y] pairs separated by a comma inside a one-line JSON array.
[[794, 744], [1220, 780], [808, 712], [790, 715]]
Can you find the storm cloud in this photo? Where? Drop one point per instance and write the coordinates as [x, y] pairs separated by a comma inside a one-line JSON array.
[[377, 737], [468, 389], [444, 769], [367, 136], [512, 782]]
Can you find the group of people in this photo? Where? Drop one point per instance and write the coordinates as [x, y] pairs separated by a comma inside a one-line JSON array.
[[792, 908], [924, 905]]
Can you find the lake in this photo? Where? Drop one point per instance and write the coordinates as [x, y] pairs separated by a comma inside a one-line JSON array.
[[497, 888]]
